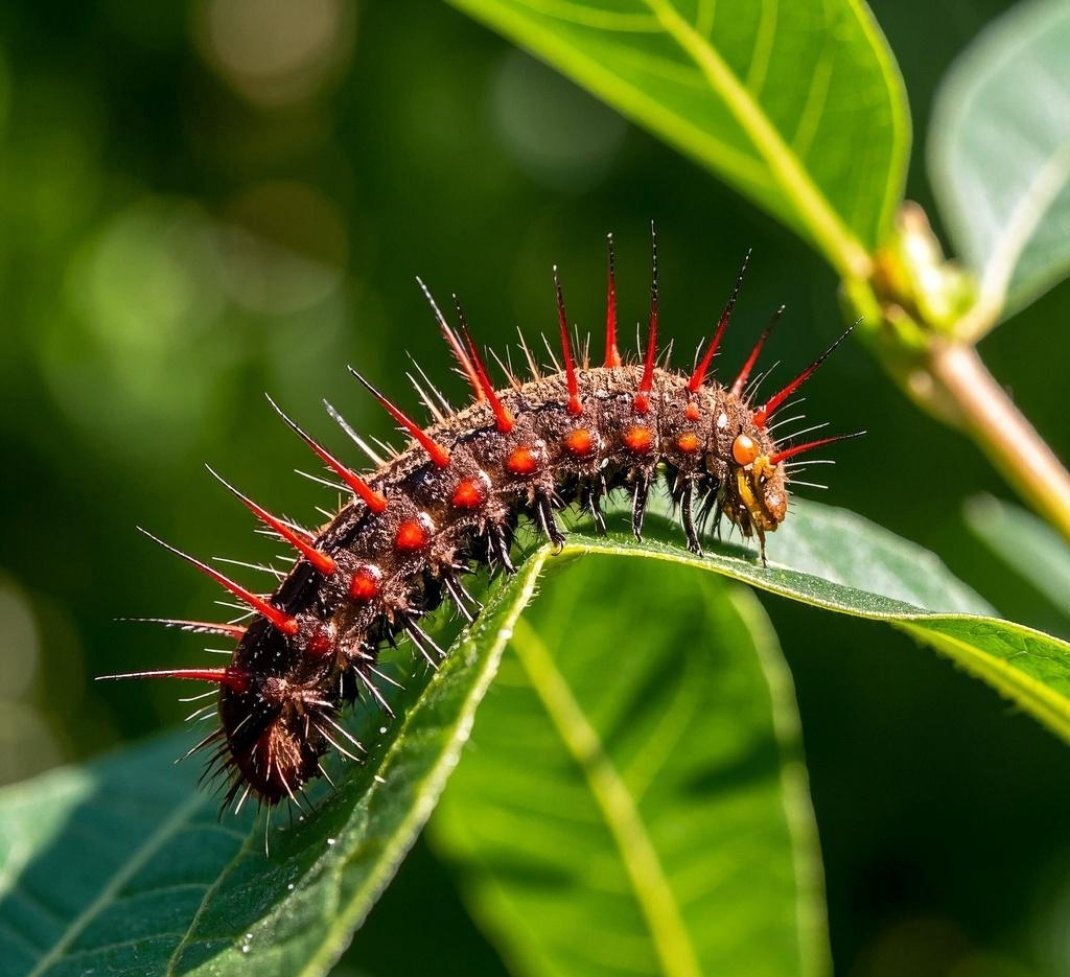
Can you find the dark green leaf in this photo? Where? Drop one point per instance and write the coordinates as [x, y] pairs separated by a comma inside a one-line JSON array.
[[1025, 543], [151, 884], [837, 560], [634, 801], [123, 868], [798, 105]]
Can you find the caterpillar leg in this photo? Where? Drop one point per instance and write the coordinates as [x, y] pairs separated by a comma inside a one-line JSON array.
[[640, 497], [687, 517]]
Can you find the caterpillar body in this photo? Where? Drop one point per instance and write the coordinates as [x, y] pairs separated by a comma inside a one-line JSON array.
[[450, 504]]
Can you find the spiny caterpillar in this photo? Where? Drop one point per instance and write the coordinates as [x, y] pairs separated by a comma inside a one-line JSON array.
[[450, 504]]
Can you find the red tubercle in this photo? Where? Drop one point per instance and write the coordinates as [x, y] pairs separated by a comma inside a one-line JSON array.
[[412, 536], [698, 378], [693, 412], [612, 353], [375, 501], [324, 563], [575, 407], [744, 374], [276, 616], [763, 413], [321, 643], [469, 493], [366, 583], [580, 442], [438, 454]]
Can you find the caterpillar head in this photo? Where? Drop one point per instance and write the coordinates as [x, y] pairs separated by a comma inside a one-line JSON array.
[[758, 486]]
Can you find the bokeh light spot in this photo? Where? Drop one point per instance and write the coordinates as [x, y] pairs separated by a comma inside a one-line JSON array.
[[284, 247], [277, 52], [562, 136]]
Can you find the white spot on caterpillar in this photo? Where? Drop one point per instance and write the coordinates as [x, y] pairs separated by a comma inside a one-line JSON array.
[[722, 421]]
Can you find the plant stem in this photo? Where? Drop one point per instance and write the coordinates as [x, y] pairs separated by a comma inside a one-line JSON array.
[[922, 315], [1002, 431]]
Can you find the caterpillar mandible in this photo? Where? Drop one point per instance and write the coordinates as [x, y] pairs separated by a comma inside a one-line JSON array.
[[450, 504]]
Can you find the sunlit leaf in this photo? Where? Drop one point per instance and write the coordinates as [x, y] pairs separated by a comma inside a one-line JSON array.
[[837, 560], [153, 884], [634, 800], [798, 105]]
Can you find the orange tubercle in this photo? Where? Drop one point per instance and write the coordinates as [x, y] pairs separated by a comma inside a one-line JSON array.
[[688, 443], [692, 412], [580, 442], [638, 439], [470, 493], [365, 584], [411, 536], [523, 461]]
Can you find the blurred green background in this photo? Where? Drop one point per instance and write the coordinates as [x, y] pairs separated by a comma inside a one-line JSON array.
[[201, 202]]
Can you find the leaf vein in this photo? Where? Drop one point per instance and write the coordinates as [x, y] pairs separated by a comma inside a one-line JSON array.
[[126, 871], [763, 47], [841, 247], [640, 858], [606, 20], [816, 99]]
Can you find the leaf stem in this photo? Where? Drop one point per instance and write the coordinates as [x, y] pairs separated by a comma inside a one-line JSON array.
[[922, 316], [1001, 430]]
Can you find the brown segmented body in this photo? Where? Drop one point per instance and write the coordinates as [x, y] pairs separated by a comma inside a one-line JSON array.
[[280, 715], [450, 504]]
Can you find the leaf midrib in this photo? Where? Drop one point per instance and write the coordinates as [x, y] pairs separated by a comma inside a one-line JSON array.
[[841, 247], [637, 851]]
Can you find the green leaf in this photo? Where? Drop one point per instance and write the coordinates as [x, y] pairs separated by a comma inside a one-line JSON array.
[[837, 560], [152, 884], [1028, 545], [635, 800], [999, 156], [123, 868], [797, 105]]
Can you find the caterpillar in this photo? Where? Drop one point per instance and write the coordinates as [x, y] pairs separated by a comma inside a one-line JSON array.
[[450, 504]]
